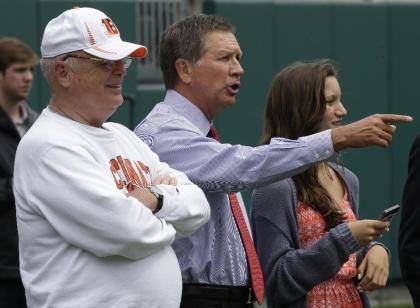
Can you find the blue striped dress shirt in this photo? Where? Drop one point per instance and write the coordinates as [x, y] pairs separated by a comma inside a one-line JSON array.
[[176, 130]]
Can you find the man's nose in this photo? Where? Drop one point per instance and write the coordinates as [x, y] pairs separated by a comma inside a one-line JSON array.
[[237, 68], [119, 68], [29, 75]]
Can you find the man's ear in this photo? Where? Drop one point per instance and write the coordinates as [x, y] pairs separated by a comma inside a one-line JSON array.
[[184, 70], [62, 73]]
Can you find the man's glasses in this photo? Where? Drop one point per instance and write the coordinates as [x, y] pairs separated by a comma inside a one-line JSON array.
[[108, 64]]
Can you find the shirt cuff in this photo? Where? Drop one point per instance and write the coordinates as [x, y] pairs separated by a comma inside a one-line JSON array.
[[169, 193], [321, 144], [349, 241]]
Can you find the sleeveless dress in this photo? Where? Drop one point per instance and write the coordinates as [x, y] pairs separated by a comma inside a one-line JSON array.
[[339, 291]]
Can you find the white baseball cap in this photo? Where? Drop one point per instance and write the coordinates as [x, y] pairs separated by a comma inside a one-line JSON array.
[[89, 30]]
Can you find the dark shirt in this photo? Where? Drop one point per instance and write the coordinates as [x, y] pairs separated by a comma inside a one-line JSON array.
[[9, 140], [409, 242]]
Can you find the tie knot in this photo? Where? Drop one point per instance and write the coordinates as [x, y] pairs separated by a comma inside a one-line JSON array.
[[213, 133]]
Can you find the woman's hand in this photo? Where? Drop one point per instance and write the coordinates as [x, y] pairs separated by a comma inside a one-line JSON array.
[[374, 269], [365, 231]]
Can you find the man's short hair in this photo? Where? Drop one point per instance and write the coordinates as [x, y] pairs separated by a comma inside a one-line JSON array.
[[12, 51], [185, 39]]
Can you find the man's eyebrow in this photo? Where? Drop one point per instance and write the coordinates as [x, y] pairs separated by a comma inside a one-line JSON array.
[[22, 68], [225, 50], [230, 51]]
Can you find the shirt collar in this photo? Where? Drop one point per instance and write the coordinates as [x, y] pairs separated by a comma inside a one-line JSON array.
[[186, 108], [23, 114]]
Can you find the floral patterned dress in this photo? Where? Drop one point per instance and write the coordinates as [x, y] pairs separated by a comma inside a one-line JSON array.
[[339, 291]]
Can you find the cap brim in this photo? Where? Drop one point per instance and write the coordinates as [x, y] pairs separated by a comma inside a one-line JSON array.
[[117, 50]]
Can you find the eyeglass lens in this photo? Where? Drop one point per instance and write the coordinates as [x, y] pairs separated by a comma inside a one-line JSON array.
[[110, 65], [127, 62]]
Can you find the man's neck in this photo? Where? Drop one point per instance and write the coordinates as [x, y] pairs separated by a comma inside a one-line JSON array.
[[194, 100], [72, 113]]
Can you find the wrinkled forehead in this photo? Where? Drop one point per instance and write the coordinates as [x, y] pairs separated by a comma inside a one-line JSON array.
[[218, 41]]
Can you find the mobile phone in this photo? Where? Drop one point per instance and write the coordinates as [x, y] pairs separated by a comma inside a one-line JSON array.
[[387, 214]]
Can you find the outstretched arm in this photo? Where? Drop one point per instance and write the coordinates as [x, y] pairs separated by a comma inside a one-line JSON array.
[[373, 130], [230, 168]]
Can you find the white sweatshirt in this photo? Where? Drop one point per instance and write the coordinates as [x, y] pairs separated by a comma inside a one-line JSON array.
[[83, 241]]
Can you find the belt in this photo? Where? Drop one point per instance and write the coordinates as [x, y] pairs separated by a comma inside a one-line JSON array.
[[228, 293]]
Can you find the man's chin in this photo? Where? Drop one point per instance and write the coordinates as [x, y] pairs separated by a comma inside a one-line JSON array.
[[231, 101], [21, 97]]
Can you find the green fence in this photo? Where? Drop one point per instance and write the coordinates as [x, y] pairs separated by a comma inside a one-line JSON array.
[[377, 47]]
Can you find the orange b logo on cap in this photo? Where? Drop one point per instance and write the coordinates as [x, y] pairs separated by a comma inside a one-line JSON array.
[[110, 26]]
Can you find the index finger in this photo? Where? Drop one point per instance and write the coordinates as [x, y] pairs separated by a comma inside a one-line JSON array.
[[396, 118], [381, 225]]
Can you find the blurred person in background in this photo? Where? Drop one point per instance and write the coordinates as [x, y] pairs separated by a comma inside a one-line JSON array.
[[311, 245], [17, 61]]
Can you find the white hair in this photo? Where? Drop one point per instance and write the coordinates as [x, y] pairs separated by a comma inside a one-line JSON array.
[[47, 65]]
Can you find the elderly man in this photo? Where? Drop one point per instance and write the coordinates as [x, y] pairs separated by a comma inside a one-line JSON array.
[[200, 60], [17, 61], [97, 211]]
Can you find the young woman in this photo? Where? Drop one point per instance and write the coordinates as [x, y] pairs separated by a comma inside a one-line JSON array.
[[313, 250]]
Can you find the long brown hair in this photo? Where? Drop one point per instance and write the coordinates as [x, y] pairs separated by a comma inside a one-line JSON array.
[[295, 107]]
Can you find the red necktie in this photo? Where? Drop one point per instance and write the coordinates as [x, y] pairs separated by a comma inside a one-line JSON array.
[[257, 280]]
